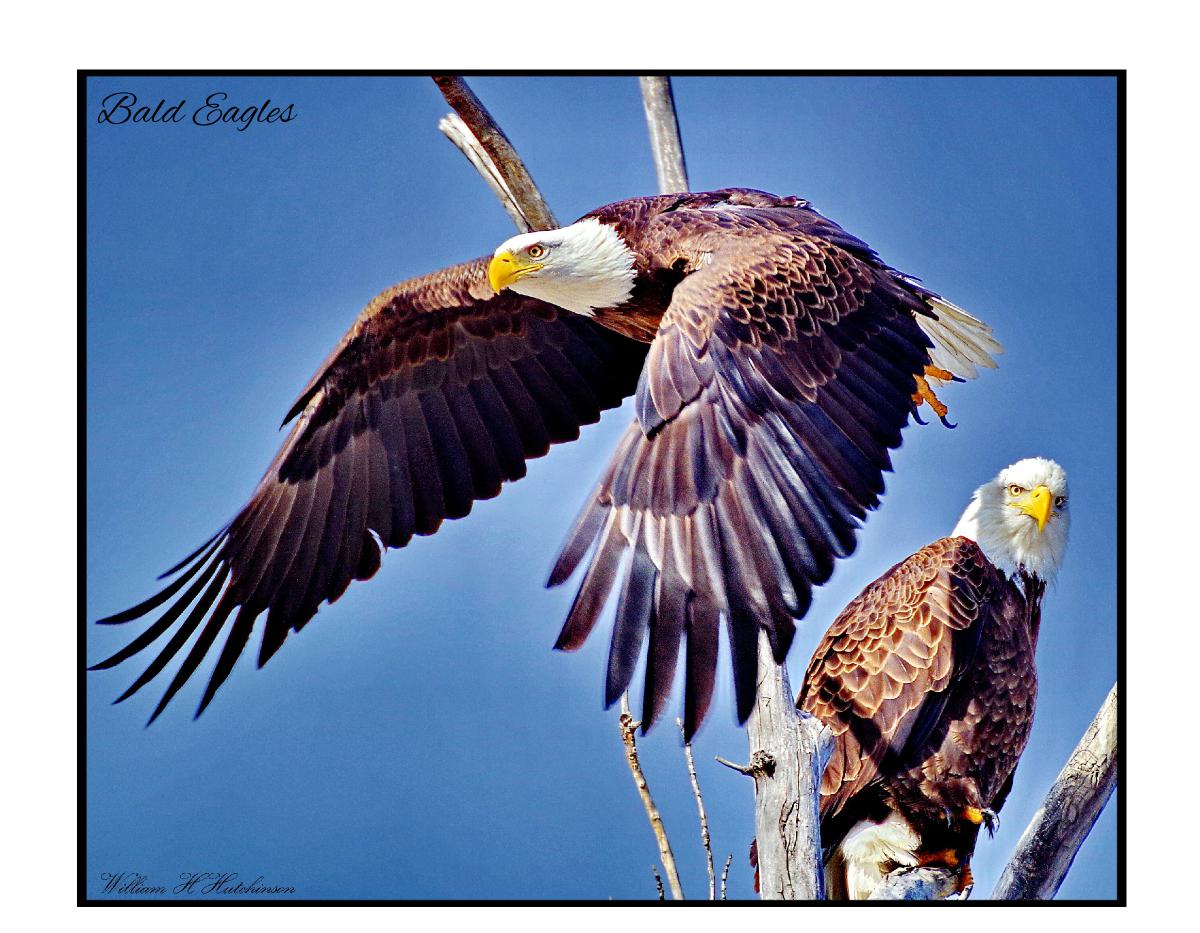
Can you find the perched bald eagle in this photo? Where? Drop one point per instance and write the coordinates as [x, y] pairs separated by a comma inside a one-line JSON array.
[[775, 359], [928, 681]]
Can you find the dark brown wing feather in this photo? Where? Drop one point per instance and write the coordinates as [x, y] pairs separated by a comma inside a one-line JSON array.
[[781, 375], [882, 676], [436, 396]]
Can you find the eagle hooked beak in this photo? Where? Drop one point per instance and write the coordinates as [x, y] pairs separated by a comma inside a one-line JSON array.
[[505, 268], [1037, 506]]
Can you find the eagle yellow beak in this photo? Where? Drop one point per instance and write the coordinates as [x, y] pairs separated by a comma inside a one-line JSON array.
[[1037, 506], [505, 268]]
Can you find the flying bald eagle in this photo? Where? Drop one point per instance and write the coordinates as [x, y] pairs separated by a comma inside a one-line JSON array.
[[775, 359], [928, 682]]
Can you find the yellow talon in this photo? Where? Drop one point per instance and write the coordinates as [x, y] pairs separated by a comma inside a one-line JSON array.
[[973, 815], [925, 394], [941, 375]]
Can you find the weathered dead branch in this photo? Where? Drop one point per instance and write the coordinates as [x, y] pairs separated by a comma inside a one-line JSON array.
[[502, 158], [786, 814], [1051, 841], [665, 142]]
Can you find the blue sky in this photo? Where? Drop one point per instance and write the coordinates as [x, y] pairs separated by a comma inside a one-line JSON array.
[[420, 738]]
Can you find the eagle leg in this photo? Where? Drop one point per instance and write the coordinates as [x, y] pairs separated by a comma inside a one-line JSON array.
[[966, 880], [925, 394]]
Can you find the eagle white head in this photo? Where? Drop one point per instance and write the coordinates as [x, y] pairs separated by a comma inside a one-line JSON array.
[[580, 268], [1020, 519]]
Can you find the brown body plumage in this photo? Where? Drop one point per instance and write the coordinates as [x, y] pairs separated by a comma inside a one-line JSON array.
[[928, 682], [777, 358]]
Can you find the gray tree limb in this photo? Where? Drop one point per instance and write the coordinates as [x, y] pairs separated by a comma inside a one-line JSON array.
[[665, 142], [789, 751], [503, 158], [1048, 847]]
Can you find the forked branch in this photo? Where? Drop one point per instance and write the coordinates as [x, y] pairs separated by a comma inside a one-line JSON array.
[[494, 156]]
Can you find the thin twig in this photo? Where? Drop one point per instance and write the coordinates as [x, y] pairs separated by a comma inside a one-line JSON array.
[[704, 835], [665, 143], [628, 728], [725, 876], [1049, 844], [662, 895], [518, 181]]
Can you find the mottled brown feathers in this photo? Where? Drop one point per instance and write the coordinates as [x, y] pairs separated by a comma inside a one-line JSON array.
[[928, 682]]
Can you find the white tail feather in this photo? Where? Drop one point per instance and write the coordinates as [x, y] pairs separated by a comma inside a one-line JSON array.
[[960, 341]]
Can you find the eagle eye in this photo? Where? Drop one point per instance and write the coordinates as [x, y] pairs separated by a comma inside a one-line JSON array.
[[536, 251], [1060, 501], [1015, 490]]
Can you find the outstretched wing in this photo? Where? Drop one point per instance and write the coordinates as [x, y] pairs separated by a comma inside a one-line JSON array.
[[881, 677], [781, 375], [438, 394]]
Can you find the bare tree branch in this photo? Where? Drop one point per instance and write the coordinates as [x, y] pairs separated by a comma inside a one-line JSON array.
[[725, 877], [787, 793], [460, 134], [524, 193], [704, 834], [628, 728], [916, 884], [659, 103], [1048, 847]]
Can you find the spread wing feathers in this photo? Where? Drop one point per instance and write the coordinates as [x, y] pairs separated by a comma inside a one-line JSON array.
[[437, 395], [780, 377], [882, 675]]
